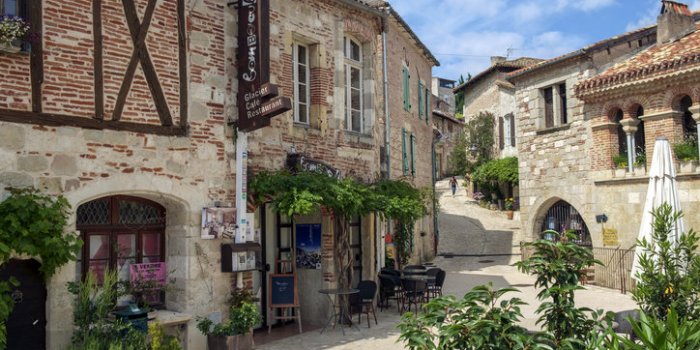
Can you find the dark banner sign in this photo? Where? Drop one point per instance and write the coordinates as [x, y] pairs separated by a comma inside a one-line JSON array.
[[297, 162], [257, 98]]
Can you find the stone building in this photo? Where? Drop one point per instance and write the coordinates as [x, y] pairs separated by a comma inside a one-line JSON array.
[[573, 113], [653, 94], [123, 109], [489, 91], [409, 133], [120, 108], [443, 89], [449, 128]]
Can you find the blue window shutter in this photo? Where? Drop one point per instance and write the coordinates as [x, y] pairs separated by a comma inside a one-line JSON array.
[[404, 154], [413, 155]]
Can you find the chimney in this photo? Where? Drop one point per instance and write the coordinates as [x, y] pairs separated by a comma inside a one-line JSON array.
[[497, 59], [675, 22]]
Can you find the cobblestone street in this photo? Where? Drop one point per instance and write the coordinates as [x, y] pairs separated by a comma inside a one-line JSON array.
[[477, 246]]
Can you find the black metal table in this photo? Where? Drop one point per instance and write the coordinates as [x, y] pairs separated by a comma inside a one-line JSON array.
[[343, 314]]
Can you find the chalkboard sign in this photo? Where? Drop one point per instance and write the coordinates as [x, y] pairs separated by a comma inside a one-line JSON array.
[[283, 291]]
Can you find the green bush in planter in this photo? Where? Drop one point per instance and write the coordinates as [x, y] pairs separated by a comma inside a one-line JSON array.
[[241, 320], [620, 161], [686, 150]]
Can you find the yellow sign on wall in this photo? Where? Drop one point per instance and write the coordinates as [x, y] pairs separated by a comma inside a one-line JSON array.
[[610, 237]]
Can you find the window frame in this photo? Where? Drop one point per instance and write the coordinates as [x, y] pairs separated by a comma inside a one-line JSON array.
[[406, 82], [554, 105], [350, 63], [114, 228], [307, 83], [21, 7]]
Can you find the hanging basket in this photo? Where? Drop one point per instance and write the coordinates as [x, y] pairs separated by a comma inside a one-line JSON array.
[[9, 48]]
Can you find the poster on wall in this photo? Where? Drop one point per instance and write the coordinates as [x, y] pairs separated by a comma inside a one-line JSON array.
[[218, 223], [308, 246]]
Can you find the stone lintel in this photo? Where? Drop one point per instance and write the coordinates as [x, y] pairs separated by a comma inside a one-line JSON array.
[[661, 115], [605, 125]]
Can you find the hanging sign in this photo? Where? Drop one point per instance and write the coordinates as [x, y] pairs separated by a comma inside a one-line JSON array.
[[257, 98]]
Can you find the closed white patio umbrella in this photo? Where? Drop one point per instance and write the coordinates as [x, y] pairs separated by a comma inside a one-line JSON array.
[[662, 189]]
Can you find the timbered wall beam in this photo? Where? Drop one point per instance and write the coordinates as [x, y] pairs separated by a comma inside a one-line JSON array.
[[36, 60], [50, 119], [97, 38], [182, 47]]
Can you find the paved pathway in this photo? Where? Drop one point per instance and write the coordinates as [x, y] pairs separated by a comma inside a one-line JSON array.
[[477, 246]]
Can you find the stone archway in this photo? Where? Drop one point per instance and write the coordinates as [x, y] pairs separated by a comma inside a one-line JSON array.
[[560, 216]]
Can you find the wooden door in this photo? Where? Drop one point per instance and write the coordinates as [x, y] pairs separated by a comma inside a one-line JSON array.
[[26, 327]]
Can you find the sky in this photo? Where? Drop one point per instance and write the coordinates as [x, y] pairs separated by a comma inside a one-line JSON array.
[[464, 34]]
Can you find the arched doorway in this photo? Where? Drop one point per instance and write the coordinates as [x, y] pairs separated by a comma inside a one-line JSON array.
[[26, 326], [118, 231], [563, 216]]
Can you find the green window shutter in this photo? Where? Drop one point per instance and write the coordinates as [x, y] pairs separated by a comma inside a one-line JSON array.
[[413, 155], [404, 74], [421, 106], [404, 154], [428, 107]]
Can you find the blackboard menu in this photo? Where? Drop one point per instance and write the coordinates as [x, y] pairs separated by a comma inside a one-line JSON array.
[[283, 290]]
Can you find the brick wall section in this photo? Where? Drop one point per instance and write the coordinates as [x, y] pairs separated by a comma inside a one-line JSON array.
[[182, 173], [15, 87]]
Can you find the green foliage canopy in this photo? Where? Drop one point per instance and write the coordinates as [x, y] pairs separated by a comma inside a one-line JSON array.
[[503, 170]]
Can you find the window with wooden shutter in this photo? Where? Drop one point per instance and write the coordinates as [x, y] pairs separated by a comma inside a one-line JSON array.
[[562, 104], [413, 155], [428, 107], [406, 90], [404, 153], [548, 108], [512, 129], [501, 137], [421, 103]]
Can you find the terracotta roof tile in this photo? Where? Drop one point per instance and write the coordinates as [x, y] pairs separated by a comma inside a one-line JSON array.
[[656, 60], [516, 63]]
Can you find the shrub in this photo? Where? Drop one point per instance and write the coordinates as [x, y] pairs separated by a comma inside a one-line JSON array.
[[620, 161], [687, 149], [669, 275], [503, 170]]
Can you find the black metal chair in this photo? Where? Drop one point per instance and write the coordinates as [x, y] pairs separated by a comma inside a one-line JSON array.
[[432, 272], [389, 288], [363, 302], [439, 281], [413, 293]]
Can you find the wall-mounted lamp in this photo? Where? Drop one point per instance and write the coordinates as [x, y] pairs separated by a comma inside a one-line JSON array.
[[601, 218]]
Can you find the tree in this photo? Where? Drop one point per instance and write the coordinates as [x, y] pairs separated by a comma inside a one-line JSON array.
[[479, 133], [457, 161]]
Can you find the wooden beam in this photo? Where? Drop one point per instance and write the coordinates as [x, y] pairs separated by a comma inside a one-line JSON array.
[[36, 61], [138, 37], [182, 51], [97, 63], [49, 119]]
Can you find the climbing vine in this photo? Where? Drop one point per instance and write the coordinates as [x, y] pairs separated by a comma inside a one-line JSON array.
[[33, 224]]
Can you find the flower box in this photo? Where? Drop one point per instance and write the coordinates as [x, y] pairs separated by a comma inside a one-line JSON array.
[[9, 48]]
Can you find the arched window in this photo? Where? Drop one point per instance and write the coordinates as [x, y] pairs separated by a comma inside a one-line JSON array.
[[690, 127], [621, 136], [561, 217], [119, 231]]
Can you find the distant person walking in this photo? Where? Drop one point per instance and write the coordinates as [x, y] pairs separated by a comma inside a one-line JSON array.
[[453, 185]]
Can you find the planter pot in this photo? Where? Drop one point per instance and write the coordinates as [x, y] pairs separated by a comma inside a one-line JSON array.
[[9, 48], [688, 166], [233, 342], [620, 172], [640, 171], [509, 214]]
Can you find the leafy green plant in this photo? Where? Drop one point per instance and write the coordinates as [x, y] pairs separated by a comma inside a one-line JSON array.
[[503, 170], [640, 158], [241, 320], [669, 276], [158, 340], [33, 224], [686, 150], [509, 203], [480, 320], [480, 135], [93, 304], [620, 161], [672, 333], [558, 267]]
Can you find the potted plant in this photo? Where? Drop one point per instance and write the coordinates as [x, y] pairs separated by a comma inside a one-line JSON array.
[[509, 208], [686, 152], [12, 31], [236, 332]]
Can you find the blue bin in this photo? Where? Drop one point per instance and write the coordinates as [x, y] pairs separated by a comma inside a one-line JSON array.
[[134, 316]]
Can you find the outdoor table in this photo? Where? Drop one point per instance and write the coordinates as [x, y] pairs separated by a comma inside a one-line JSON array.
[[413, 271], [343, 313]]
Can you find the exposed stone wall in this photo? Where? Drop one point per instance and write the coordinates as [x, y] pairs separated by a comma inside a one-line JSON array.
[[183, 174], [573, 162]]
